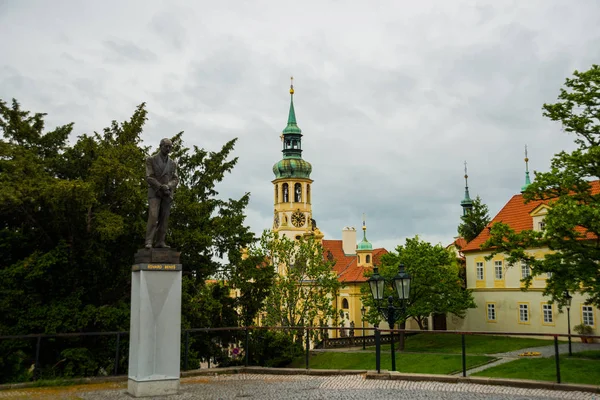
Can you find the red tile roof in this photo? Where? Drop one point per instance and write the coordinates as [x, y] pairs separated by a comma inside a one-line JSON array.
[[460, 243], [516, 214], [346, 265]]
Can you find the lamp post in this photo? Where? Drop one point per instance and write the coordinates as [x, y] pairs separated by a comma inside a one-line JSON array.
[[401, 284], [568, 299], [362, 312]]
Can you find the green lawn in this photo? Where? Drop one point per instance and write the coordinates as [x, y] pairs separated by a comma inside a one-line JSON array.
[[418, 363], [572, 370], [475, 344], [591, 354]]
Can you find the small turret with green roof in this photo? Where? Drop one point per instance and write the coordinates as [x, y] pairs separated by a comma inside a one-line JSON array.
[[466, 203], [292, 165], [527, 180], [364, 244]]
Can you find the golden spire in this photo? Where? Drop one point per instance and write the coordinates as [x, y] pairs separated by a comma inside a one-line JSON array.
[[291, 85], [364, 227]]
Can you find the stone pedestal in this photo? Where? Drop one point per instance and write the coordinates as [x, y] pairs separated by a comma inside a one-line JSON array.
[[155, 332]]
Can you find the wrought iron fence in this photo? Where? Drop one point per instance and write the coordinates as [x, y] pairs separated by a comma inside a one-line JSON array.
[[242, 336]]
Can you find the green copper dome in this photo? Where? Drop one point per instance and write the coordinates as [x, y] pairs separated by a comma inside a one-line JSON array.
[[292, 165], [292, 168], [364, 245]]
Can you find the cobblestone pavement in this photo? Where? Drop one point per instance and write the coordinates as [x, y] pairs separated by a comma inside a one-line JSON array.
[[348, 387]]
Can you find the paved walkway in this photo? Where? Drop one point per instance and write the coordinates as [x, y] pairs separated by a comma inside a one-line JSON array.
[[305, 387], [548, 351]]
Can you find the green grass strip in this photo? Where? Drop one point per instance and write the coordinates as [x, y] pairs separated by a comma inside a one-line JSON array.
[[417, 363], [572, 370], [475, 344]]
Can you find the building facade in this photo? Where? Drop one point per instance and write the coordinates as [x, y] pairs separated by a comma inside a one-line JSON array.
[[293, 218], [498, 290]]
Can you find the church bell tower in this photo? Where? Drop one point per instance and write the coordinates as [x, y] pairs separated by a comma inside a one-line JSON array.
[[292, 184]]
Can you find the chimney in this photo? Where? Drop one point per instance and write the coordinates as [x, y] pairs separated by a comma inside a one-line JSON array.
[[349, 240]]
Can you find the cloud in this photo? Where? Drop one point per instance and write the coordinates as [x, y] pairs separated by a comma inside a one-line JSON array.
[[392, 97], [124, 50]]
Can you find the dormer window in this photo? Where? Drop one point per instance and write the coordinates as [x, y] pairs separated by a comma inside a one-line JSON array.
[[541, 226], [538, 215]]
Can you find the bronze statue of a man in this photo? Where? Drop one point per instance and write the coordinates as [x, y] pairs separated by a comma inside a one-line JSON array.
[[161, 175]]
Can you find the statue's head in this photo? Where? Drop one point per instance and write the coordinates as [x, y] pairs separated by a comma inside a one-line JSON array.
[[166, 146]]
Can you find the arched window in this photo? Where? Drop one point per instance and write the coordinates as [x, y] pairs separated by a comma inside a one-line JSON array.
[[345, 304], [308, 193], [358, 258], [284, 190], [368, 259], [298, 192], [276, 193]]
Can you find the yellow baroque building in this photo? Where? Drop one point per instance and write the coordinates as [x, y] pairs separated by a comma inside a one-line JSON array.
[[293, 217], [502, 305]]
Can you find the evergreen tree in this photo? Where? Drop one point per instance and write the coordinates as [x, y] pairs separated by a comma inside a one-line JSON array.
[[572, 226], [474, 221], [71, 218]]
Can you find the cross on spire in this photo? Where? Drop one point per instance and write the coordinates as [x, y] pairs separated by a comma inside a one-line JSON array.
[[466, 203], [527, 180]]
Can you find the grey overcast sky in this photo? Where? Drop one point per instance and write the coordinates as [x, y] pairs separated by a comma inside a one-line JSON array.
[[391, 96]]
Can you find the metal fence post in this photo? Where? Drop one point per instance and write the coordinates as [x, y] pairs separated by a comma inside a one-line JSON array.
[[186, 350], [247, 348], [117, 354], [307, 347], [557, 359], [36, 371], [464, 355], [377, 350]]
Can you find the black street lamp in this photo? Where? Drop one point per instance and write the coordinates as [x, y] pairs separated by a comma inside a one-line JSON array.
[[362, 312], [568, 299], [401, 284]]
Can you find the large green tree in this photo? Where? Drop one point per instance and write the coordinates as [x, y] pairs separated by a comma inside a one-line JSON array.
[[253, 276], [435, 283], [572, 226], [304, 284], [474, 221], [73, 215]]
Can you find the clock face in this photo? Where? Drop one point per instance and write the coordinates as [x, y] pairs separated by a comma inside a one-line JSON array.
[[298, 219], [276, 221]]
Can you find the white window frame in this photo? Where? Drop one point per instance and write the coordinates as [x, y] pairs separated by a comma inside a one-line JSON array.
[[498, 267], [479, 268], [548, 313], [525, 270], [523, 313], [587, 315], [491, 316]]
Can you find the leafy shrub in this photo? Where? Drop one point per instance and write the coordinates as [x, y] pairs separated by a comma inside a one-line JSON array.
[[273, 349]]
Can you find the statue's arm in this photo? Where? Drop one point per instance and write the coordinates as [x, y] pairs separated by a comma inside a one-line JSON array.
[[150, 176], [174, 181]]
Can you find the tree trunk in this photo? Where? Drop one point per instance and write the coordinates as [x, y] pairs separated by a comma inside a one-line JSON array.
[[420, 323]]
